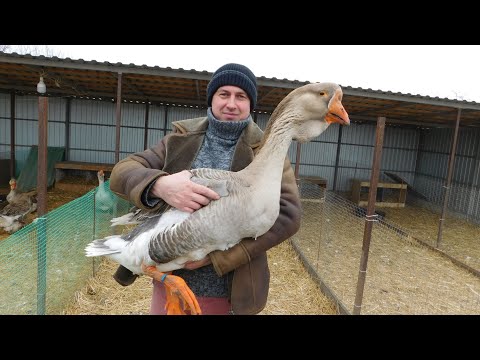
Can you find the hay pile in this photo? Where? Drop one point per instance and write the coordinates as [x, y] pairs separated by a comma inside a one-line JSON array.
[[292, 291], [460, 238], [403, 276]]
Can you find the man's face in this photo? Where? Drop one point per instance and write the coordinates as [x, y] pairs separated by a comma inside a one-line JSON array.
[[230, 103]]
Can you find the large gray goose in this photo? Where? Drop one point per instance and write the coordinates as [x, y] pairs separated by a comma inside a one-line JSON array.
[[165, 242]]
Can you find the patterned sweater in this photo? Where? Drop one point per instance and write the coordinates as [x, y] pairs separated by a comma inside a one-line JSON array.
[[216, 153]]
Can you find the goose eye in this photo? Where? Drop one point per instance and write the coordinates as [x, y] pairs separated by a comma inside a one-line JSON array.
[[322, 93]]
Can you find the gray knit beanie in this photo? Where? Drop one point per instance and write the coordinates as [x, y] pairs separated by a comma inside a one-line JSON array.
[[236, 75]]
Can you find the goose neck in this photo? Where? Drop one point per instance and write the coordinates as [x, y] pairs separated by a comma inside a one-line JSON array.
[[275, 145]]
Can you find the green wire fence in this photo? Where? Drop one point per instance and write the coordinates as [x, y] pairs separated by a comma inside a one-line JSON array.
[[43, 264]]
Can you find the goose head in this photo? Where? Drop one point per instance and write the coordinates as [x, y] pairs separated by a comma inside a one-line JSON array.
[[13, 184], [311, 108], [101, 176]]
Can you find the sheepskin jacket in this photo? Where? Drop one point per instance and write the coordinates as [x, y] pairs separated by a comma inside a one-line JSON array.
[[248, 259]]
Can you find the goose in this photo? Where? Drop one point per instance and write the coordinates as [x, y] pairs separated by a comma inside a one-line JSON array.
[[11, 223], [104, 199], [151, 248], [12, 216], [17, 197], [19, 205]]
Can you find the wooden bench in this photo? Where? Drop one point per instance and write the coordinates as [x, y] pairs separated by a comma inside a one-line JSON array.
[[357, 185], [80, 165], [89, 170], [315, 180]]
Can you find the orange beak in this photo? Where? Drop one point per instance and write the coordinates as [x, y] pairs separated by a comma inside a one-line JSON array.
[[336, 111]]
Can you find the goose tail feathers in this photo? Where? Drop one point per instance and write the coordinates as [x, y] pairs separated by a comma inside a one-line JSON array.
[[106, 246], [130, 218]]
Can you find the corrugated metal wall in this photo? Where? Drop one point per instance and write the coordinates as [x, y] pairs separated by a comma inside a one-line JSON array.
[[4, 126], [419, 156], [26, 125], [432, 166]]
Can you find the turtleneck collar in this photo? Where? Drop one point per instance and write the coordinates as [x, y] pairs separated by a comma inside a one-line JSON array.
[[228, 130]]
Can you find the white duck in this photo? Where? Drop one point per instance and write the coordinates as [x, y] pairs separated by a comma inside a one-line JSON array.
[[152, 247]]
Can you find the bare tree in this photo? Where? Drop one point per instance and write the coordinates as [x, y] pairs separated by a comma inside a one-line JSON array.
[[34, 50], [458, 95]]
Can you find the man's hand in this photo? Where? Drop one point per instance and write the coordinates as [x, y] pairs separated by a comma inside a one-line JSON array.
[[192, 265], [180, 192]]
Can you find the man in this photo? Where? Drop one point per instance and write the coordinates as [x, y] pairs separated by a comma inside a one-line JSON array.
[[235, 281]]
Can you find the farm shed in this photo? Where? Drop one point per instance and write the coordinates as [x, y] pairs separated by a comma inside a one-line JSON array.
[[101, 112]]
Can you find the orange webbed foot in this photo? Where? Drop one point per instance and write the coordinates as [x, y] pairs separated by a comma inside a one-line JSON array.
[[176, 290]]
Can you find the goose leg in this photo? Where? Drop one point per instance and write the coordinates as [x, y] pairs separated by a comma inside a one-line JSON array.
[[176, 290]]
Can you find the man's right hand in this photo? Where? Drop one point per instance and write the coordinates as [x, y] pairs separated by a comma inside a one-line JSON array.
[[180, 192]]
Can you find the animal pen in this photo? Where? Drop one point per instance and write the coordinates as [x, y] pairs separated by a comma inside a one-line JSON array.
[[418, 253], [43, 264]]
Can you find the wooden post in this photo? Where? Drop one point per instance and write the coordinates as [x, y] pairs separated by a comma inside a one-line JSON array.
[[12, 134], [42, 155], [42, 204], [118, 117], [297, 163], [367, 234]]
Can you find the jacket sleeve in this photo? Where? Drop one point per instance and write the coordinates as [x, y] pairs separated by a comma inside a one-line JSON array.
[[286, 225], [132, 175]]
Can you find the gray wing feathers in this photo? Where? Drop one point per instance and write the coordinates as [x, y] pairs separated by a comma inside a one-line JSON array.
[[219, 186], [221, 181]]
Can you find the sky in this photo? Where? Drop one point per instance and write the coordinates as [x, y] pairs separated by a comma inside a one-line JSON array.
[[445, 71]]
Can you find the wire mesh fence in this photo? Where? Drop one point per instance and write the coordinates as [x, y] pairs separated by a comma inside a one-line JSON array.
[[43, 264], [404, 275]]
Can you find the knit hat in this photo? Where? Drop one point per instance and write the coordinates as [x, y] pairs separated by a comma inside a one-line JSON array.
[[236, 75]]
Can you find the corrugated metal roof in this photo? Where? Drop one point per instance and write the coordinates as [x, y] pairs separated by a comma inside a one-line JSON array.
[[141, 83]]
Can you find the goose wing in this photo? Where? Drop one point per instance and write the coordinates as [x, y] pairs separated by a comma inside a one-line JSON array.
[[220, 181], [18, 209]]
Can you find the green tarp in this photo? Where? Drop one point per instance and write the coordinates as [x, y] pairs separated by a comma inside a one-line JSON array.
[[27, 180]]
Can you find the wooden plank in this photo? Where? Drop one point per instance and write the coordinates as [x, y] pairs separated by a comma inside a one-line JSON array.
[[79, 165], [403, 196], [319, 201], [358, 184], [356, 187], [400, 179], [364, 203], [315, 180], [384, 185]]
